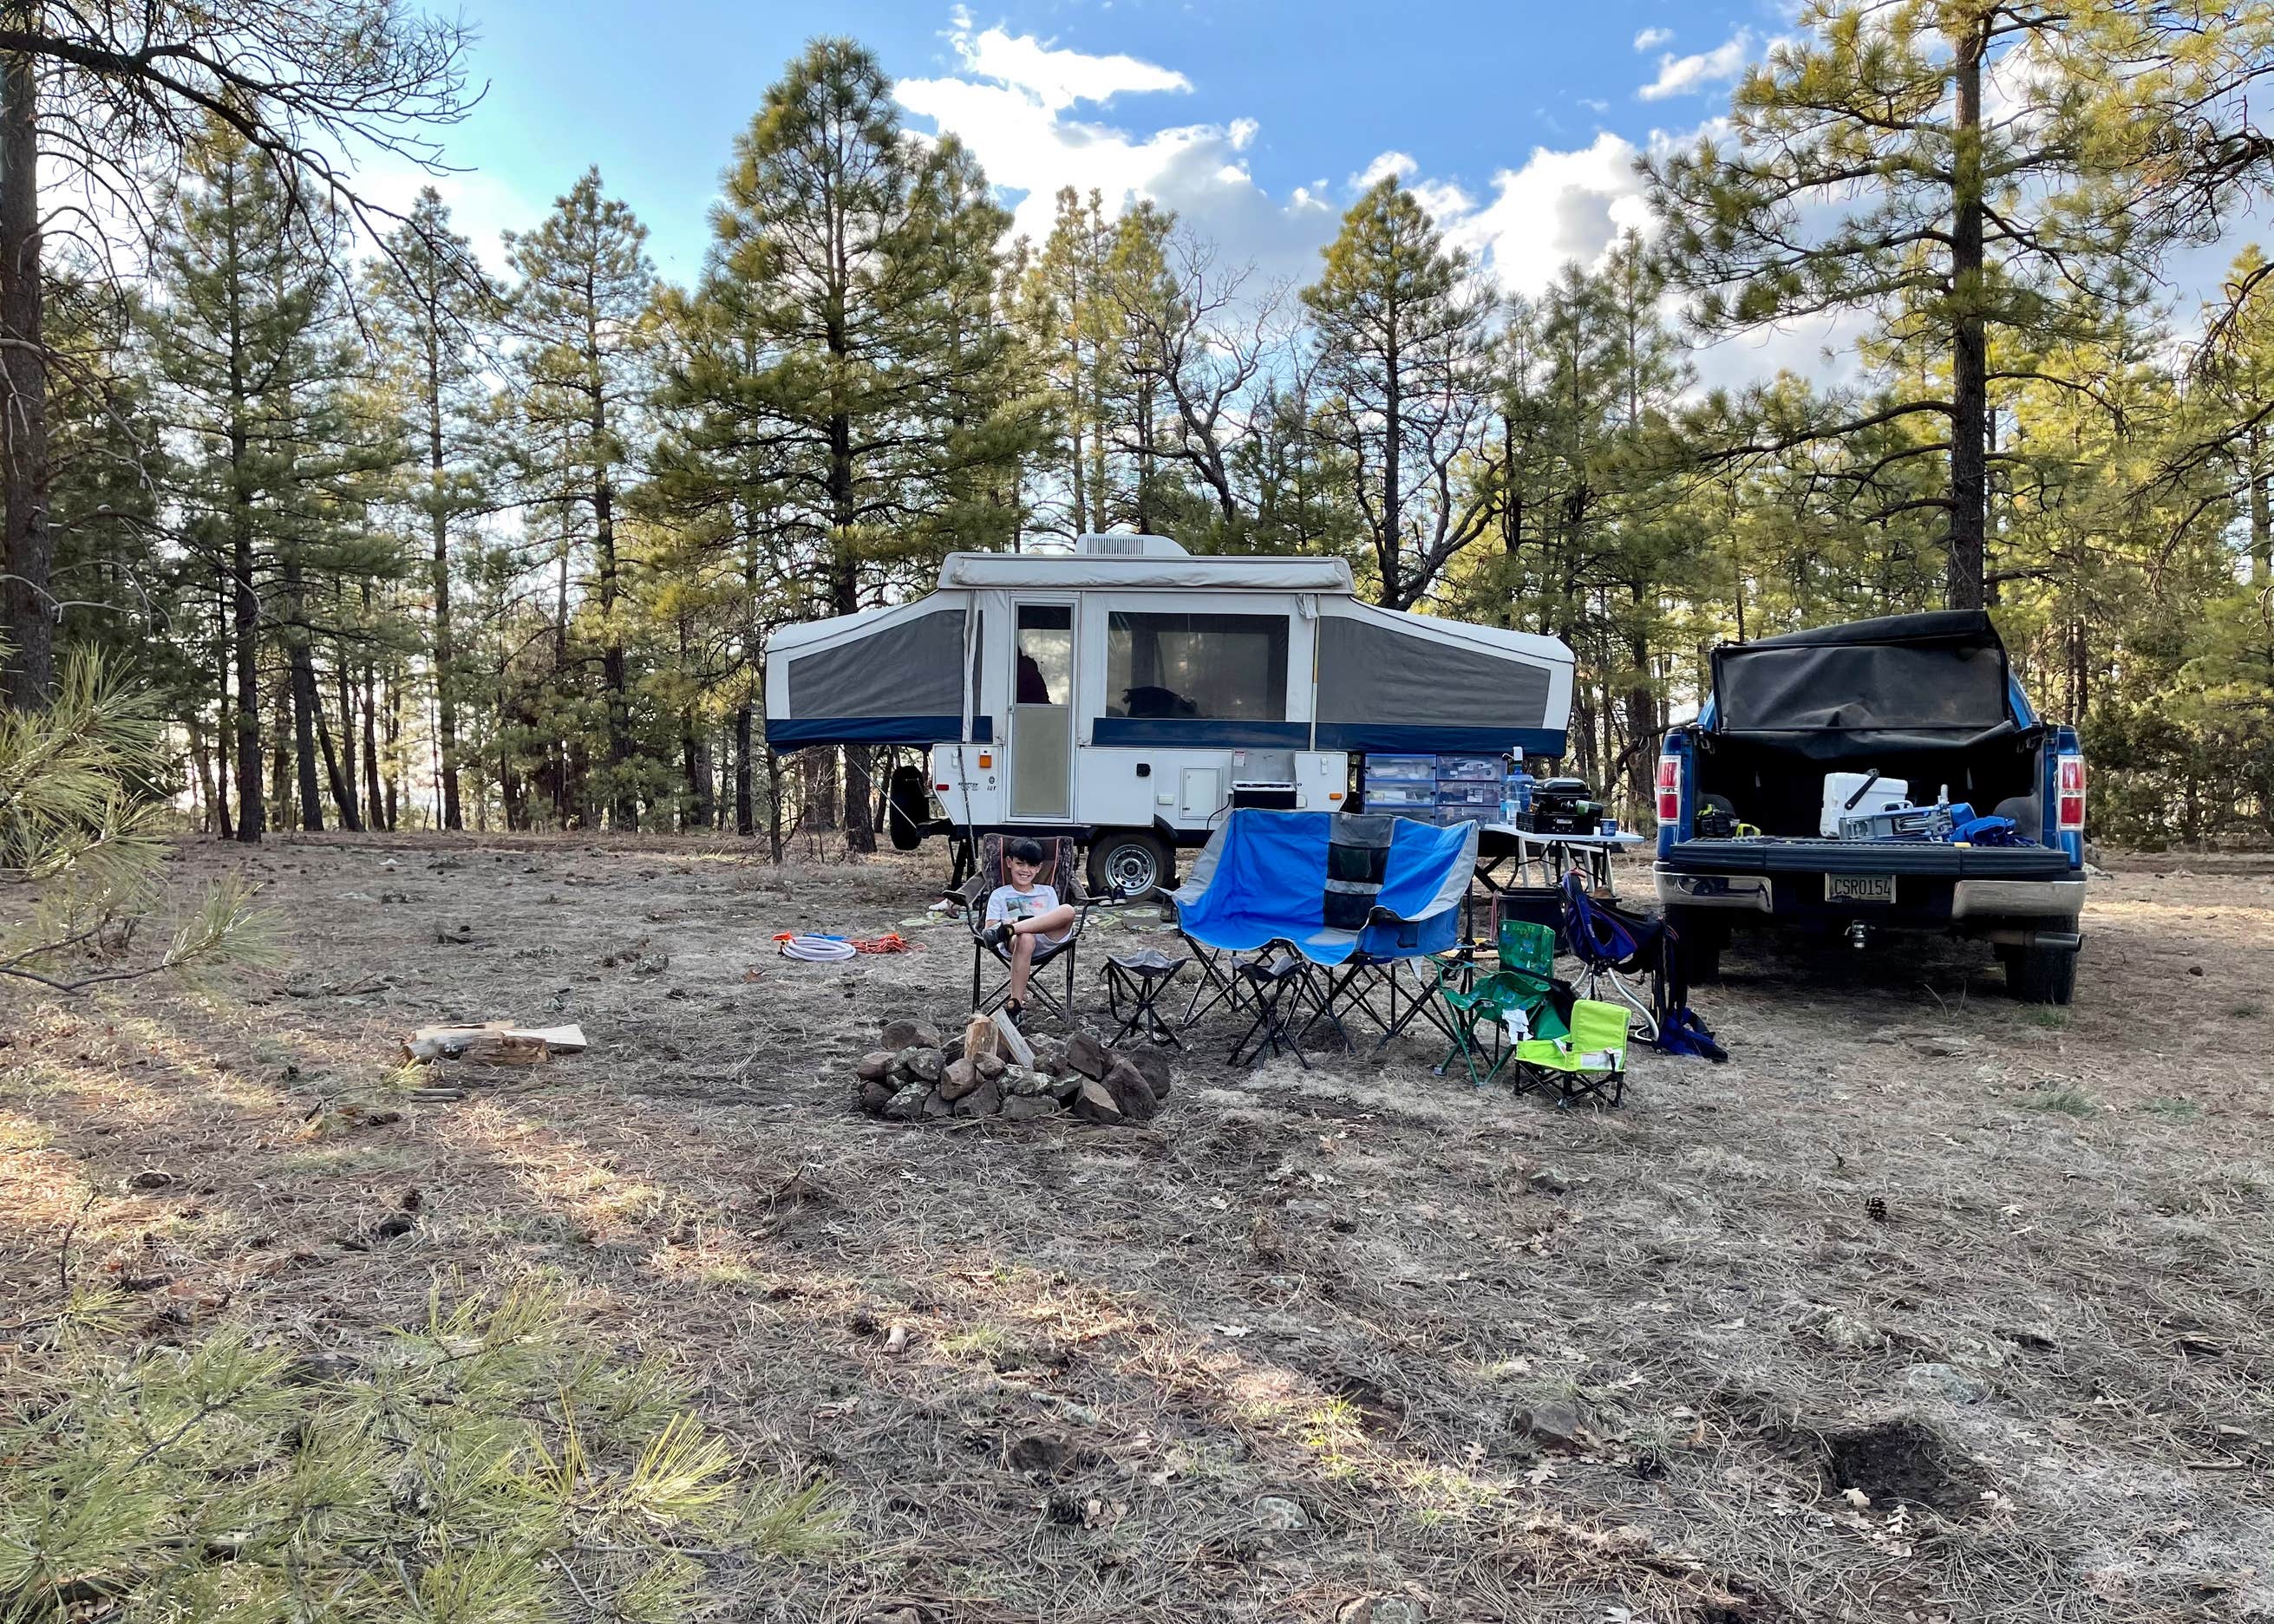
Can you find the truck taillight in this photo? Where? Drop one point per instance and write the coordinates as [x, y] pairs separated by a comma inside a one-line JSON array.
[[2069, 792], [1669, 789]]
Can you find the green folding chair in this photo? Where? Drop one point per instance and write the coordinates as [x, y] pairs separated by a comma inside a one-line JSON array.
[[1589, 1061], [1523, 984]]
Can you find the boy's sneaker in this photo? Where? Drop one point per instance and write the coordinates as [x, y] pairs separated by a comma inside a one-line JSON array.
[[994, 936]]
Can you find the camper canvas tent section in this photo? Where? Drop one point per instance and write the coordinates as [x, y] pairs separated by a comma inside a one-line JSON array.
[[1127, 693], [890, 676]]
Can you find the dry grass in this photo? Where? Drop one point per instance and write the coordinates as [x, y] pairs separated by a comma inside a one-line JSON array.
[[1338, 1288]]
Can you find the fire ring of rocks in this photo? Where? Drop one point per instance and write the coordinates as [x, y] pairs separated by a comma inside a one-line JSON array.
[[911, 1076]]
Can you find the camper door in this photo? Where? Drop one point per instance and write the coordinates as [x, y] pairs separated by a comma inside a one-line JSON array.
[[1042, 707]]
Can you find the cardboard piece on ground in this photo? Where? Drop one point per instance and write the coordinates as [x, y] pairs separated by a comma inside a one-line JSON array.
[[497, 1043]]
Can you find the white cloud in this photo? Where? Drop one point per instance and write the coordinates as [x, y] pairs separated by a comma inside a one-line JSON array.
[[1557, 207], [1651, 39], [1679, 75], [1058, 78], [1012, 101], [1594, 104], [1007, 102], [1384, 166]]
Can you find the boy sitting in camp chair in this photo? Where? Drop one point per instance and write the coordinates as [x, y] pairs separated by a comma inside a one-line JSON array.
[[1025, 918]]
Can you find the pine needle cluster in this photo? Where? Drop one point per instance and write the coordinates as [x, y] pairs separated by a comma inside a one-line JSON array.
[[488, 1467], [80, 852]]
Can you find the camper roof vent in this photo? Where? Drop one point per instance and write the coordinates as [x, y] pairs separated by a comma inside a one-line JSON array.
[[1121, 543]]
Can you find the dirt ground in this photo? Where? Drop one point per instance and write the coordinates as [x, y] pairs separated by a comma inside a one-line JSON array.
[[1309, 1338]]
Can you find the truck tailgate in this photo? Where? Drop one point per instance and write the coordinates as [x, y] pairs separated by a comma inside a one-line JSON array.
[[1773, 854]]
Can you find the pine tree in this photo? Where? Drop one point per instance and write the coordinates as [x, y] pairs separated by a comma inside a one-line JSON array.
[[263, 381], [438, 307], [583, 318], [1068, 310], [1401, 337], [95, 101], [1861, 173], [860, 261]]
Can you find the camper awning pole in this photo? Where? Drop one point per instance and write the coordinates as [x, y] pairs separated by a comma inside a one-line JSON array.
[[970, 699], [1308, 607]]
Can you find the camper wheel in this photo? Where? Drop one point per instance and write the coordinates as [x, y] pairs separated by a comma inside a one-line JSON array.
[[1129, 862]]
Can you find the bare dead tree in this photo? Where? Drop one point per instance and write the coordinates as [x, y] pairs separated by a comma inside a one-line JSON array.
[[1207, 349]]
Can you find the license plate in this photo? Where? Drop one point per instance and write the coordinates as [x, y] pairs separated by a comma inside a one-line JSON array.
[[1859, 888]]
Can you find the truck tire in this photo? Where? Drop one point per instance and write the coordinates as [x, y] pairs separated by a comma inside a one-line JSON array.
[[1698, 938], [2040, 974], [1131, 862]]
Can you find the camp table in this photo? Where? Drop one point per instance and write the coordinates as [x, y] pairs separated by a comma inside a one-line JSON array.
[[1500, 843]]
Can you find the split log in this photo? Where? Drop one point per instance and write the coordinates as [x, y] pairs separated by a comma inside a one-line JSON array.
[[498, 1042]]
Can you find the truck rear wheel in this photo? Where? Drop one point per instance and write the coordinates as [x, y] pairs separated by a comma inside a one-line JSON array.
[[1698, 938], [2040, 974], [1130, 862]]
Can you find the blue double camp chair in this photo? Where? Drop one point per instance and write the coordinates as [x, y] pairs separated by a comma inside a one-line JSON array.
[[1332, 904]]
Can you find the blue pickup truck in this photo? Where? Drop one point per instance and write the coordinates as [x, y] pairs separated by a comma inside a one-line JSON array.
[[1925, 700]]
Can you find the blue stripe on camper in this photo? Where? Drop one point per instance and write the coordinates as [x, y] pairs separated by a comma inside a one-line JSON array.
[[1379, 736], [787, 732], [1198, 733]]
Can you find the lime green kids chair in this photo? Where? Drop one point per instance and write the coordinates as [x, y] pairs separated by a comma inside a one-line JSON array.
[[1588, 1062]]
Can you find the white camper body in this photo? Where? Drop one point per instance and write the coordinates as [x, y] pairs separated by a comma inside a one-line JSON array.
[[1129, 689]]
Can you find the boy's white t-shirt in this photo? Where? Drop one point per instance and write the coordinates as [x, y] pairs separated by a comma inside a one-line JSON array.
[[1008, 904]]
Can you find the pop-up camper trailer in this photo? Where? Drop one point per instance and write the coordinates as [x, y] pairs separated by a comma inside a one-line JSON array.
[[1128, 693]]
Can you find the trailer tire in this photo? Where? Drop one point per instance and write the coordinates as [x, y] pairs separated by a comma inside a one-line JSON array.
[[2040, 974], [1131, 862], [907, 807]]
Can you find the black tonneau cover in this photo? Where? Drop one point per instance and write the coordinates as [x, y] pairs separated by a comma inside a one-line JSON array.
[[1899, 683]]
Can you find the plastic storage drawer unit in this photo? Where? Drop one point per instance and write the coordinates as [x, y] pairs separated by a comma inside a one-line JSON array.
[[1402, 769], [1471, 769]]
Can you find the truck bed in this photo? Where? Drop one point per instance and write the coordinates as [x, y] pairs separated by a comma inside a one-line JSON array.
[[1793, 855]]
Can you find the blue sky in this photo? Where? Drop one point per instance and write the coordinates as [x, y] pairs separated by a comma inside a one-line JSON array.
[[1255, 118]]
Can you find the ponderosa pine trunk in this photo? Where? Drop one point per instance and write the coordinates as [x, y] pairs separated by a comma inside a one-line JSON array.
[[251, 810], [859, 831], [301, 669], [446, 700], [2261, 511], [371, 793], [623, 811], [27, 549], [745, 812], [343, 780], [1969, 360]]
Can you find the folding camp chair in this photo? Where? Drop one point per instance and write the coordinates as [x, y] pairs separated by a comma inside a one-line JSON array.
[[1062, 874], [1134, 984], [1611, 944], [1521, 997], [1588, 1063], [1278, 985], [1328, 889]]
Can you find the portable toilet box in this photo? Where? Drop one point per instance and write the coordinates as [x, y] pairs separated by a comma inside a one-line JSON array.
[[1869, 794]]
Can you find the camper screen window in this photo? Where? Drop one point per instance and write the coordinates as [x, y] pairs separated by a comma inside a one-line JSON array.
[[1207, 667]]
